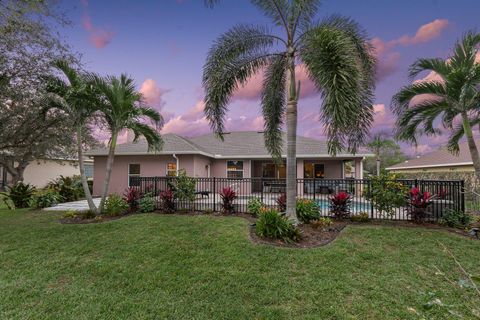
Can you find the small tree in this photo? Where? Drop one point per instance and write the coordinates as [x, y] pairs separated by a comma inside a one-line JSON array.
[[386, 193]]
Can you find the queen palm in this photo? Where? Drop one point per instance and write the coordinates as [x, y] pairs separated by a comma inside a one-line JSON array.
[[123, 108], [379, 143], [452, 100], [336, 55], [78, 99]]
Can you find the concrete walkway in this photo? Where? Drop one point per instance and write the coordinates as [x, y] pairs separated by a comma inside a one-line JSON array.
[[80, 205]]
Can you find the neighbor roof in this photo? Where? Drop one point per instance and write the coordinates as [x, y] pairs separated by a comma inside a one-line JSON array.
[[244, 144], [439, 158]]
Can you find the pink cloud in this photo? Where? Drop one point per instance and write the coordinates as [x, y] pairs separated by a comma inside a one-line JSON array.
[[152, 92], [426, 32], [99, 37]]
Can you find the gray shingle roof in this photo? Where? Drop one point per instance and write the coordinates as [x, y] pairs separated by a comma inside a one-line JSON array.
[[439, 158], [242, 143]]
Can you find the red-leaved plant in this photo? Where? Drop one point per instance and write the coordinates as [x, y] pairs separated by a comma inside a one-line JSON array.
[[419, 202], [167, 201], [282, 202], [340, 205], [132, 195], [228, 196]]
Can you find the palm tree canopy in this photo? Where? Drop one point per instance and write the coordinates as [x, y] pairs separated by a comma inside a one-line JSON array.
[[335, 52], [380, 142], [453, 94], [123, 108]]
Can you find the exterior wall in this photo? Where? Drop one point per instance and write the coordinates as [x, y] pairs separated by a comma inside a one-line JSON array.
[[201, 164], [219, 168], [333, 168], [41, 172]]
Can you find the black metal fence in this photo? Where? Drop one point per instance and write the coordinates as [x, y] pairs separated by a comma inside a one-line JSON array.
[[446, 194]]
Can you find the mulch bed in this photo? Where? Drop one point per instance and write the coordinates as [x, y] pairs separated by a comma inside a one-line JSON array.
[[311, 237]]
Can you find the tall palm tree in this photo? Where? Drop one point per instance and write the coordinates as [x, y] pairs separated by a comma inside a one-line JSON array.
[[379, 143], [123, 108], [335, 52], [78, 99], [453, 98]]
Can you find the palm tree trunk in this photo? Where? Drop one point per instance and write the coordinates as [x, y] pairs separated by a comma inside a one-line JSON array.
[[472, 146], [291, 116], [83, 177], [378, 166], [106, 181]]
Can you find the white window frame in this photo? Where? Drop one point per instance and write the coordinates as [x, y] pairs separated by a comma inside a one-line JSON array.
[[167, 170], [243, 169], [135, 174]]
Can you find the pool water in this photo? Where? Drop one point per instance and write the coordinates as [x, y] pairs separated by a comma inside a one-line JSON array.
[[355, 206]]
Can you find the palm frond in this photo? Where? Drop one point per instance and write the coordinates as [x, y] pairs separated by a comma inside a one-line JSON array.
[[153, 138], [273, 104], [401, 100], [301, 14], [439, 66], [277, 10], [235, 56]]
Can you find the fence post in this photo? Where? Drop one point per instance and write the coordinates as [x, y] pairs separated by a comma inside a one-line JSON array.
[[214, 194], [261, 189], [415, 183], [369, 192], [314, 187], [462, 195]]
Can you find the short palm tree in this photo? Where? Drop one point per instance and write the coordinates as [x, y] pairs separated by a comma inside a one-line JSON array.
[[123, 108], [453, 98], [379, 143], [78, 99], [337, 56]]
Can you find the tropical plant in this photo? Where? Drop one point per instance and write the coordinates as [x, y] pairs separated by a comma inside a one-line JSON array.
[[167, 199], [307, 210], [69, 188], [123, 108], [132, 196], [322, 223], [45, 198], [380, 143], [451, 95], [115, 205], [78, 98], [418, 203], [184, 187], [336, 55], [282, 202], [271, 224], [456, 219], [340, 204], [386, 193], [146, 204], [360, 217], [19, 195], [254, 206], [228, 195]]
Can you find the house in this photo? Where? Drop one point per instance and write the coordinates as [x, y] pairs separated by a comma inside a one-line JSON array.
[[240, 155], [41, 171]]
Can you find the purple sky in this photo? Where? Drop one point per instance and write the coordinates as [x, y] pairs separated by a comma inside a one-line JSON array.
[[162, 44]]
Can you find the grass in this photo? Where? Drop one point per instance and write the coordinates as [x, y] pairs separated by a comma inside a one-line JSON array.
[[184, 267]]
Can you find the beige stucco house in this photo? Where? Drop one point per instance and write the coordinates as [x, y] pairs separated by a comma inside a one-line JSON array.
[[240, 155]]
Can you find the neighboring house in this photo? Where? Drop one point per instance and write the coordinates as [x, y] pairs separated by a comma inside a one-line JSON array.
[[41, 171], [240, 155]]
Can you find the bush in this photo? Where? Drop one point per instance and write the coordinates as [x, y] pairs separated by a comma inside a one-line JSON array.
[[70, 214], [115, 205], [45, 198], [87, 214], [254, 206], [456, 219], [418, 203], [361, 217], [132, 196], [70, 188], [307, 210], [322, 223], [386, 193], [146, 204], [167, 201], [184, 187], [282, 202], [228, 196], [273, 225], [340, 204], [18, 195]]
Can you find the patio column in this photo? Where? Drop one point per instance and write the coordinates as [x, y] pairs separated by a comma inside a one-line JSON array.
[[300, 176], [359, 175]]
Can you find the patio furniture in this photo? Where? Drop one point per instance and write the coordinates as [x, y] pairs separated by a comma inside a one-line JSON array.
[[203, 193], [274, 186]]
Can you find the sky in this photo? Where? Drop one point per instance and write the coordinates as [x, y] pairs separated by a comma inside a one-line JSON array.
[[163, 45]]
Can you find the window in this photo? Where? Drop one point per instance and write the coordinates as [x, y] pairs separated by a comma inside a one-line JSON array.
[[171, 169], [235, 169], [89, 171], [314, 170], [133, 171]]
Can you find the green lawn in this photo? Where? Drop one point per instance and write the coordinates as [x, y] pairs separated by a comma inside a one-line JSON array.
[[182, 267]]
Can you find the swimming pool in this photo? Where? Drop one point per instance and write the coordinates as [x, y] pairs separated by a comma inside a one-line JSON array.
[[355, 206]]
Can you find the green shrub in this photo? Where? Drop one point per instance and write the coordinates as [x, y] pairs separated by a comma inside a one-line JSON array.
[[386, 193], [254, 206], [361, 217], [87, 214], [45, 198], [208, 211], [456, 219], [184, 188], [18, 195], [70, 214], [273, 225], [146, 204], [322, 223], [70, 188], [115, 205], [307, 210]]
